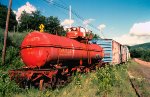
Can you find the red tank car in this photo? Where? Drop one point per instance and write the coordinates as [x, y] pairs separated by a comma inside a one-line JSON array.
[[50, 59], [38, 48]]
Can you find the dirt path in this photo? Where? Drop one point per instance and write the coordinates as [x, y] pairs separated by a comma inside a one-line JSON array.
[[147, 64], [139, 73], [144, 68]]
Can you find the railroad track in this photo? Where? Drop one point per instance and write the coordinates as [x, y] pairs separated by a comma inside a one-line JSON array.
[[135, 89], [132, 84]]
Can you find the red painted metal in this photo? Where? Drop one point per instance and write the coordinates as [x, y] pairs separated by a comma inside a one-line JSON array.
[[79, 32], [39, 48], [75, 32], [27, 74]]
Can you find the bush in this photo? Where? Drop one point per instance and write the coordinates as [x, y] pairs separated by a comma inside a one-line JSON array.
[[141, 53], [12, 58], [146, 55], [110, 76], [9, 41], [12, 61], [17, 38], [7, 87], [12, 51]]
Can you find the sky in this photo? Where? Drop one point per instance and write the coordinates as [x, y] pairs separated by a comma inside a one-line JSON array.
[[126, 21]]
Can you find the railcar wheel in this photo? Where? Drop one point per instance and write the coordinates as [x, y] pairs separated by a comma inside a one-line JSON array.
[[25, 84], [53, 82]]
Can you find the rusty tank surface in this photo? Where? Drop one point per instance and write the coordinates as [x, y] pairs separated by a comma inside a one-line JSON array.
[[51, 59], [38, 48]]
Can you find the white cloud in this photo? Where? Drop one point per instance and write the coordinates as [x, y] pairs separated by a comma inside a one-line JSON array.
[[14, 11], [128, 39], [101, 27], [87, 22], [29, 8], [67, 22], [140, 29], [138, 34]]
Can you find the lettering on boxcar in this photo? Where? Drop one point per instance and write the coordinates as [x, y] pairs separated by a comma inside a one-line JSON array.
[[65, 52]]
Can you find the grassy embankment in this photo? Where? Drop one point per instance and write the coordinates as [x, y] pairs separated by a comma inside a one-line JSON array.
[[109, 81], [7, 87], [105, 82], [139, 76]]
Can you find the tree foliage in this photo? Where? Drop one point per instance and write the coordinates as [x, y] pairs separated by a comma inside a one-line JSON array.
[[95, 36], [3, 15], [141, 51], [53, 26], [32, 22], [144, 45], [144, 54]]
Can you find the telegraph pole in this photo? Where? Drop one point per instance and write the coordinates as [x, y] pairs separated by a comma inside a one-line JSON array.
[[70, 15], [6, 33]]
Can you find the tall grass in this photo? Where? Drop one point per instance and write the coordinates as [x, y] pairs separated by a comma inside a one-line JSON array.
[[113, 81], [7, 87], [12, 61], [139, 78]]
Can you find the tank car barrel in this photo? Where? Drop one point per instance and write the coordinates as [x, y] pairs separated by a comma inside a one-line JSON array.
[[37, 49]]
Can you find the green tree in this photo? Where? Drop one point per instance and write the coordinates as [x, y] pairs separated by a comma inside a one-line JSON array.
[[53, 26], [95, 36], [3, 15], [136, 53], [37, 19], [141, 53], [31, 21], [146, 55], [24, 21]]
